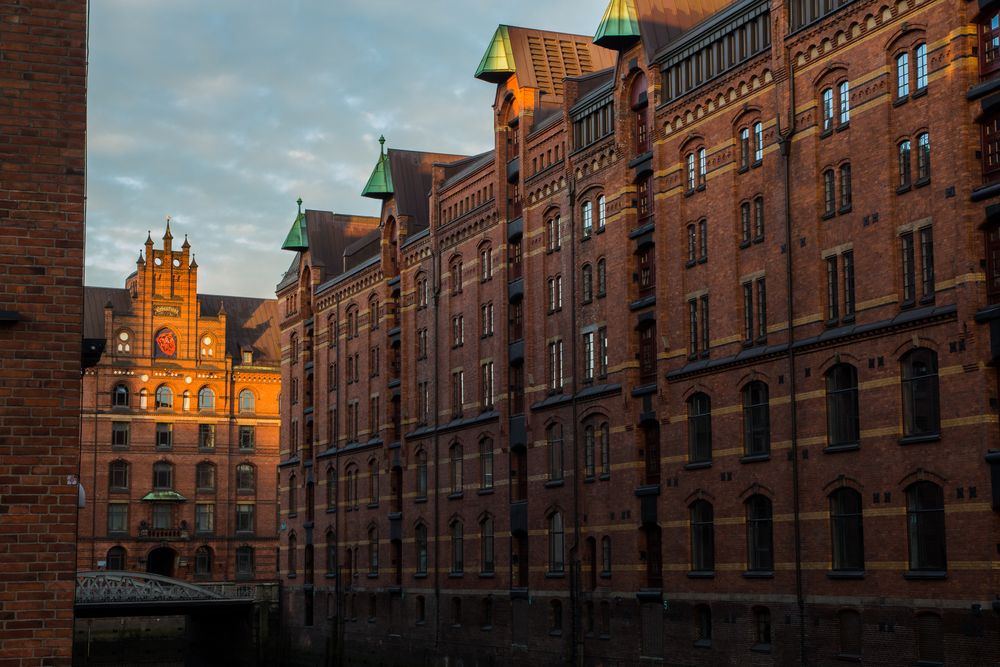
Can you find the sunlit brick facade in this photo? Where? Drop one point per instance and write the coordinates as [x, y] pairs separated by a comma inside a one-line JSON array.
[[180, 426], [697, 365]]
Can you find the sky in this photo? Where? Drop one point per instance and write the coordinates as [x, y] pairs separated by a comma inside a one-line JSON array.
[[221, 114]]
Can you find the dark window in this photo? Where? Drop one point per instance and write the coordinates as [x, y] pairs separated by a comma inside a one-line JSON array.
[[909, 271], [829, 193], [921, 416], [930, 639], [163, 476], [244, 561], [699, 428], [923, 157], [116, 559], [205, 476], [703, 624], [164, 397], [556, 543], [486, 463], [745, 228], [245, 478], [164, 436], [421, 474], [206, 436], [457, 547], [244, 518], [845, 186], [486, 561], [644, 200], [762, 628], [247, 437], [601, 277], [849, 625], [554, 438], [758, 219], [456, 468], [120, 396], [647, 353], [904, 163], [744, 148], [119, 435], [587, 286], [926, 264], [702, 536], [118, 476], [842, 405], [847, 536], [989, 32], [420, 538], [756, 419], [925, 514], [848, 259], [760, 544]]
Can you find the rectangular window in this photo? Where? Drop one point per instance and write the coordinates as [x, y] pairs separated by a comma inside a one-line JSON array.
[[844, 90], [827, 109], [693, 327], [487, 319], [909, 274], [556, 365], [486, 376], [848, 283], [373, 361], [758, 219], [748, 313], [373, 416], [588, 356], [206, 436], [244, 517], [829, 193], [927, 264], [761, 309], [248, 439], [902, 75], [704, 324], [457, 391], [485, 264], [423, 402], [745, 227], [117, 518], [921, 66], [422, 344], [832, 298], [204, 518], [164, 436], [602, 352], [458, 331], [119, 435], [744, 148], [162, 516]]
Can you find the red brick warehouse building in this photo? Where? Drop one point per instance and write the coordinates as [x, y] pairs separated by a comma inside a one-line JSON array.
[[179, 426], [697, 365], [43, 124]]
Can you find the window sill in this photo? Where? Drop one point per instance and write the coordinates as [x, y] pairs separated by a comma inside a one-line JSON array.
[[758, 239], [828, 132], [828, 215], [555, 575], [372, 506], [589, 479], [918, 439], [599, 230], [688, 264], [604, 476], [843, 210], [900, 100], [844, 447], [702, 260], [701, 574], [486, 628], [330, 575], [554, 483], [925, 575], [698, 465], [292, 575], [761, 648], [703, 643], [848, 657], [756, 163], [921, 182], [372, 575], [331, 510], [456, 575], [743, 169], [755, 458], [605, 574], [758, 574], [485, 492], [585, 237], [420, 575], [487, 575], [744, 244], [845, 574], [919, 92], [456, 495], [846, 125], [420, 500], [688, 193], [903, 189], [701, 187]]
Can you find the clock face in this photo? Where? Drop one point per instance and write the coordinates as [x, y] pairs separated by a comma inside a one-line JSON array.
[[166, 343], [123, 335], [207, 340]]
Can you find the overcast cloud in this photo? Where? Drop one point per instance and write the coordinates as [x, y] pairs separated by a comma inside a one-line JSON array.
[[222, 113]]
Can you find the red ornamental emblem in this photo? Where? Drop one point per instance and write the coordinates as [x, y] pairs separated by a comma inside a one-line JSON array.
[[167, 343]]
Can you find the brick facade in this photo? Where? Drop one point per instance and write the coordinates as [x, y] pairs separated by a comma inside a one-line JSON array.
[[715, 433], [187, 387], [43, 88]]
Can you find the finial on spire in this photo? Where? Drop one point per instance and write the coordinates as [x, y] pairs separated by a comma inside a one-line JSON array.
[[140, 261], [186, 243], [299, 202], [167, 234], [149, 237], [194, 262], [381, 143]]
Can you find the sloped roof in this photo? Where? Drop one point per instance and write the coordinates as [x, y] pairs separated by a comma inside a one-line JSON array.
[[362, 249], [661, 23], [329, 234], [379, 185], [541, 59], [251, 323], [456, 171], [411, 172]]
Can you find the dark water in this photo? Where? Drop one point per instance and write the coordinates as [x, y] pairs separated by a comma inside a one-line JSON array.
[[123, 642]]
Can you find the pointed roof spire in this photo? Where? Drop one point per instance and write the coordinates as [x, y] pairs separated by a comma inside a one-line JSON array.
[[168, 235], [619, 27], [222, 308], [379, 184], [186, 244], [140, 261], [194, 263], [149, 237], [498, 62], [297, 239]]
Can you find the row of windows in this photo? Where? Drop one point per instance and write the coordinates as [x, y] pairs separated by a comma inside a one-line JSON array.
[[121, 397], [121, 436], [116, 560], [119, 478], [163, 517]]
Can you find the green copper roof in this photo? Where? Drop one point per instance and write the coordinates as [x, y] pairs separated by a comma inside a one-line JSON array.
[[297, 238], [379, 184], [164, 495], [498, 62], [620, 25]]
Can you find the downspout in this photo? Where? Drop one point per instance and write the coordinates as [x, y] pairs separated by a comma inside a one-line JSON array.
[[436, 297], [93, 491], [785, 146], [341, 586], [574, 579]]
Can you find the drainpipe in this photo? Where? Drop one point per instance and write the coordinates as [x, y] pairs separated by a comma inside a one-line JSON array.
[[576, 652], [436, 300], [341, 586], [785, 145]]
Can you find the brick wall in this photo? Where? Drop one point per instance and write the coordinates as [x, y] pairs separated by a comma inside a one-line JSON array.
[[42, 140]]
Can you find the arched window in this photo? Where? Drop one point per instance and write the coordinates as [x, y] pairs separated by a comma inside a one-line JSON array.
[[557, 558], [756, 420], [486, 463], [245, 478], [921, 416], [842, 406], [925, 514], [602, 281], [554, 439], [847, 535], [292, 560], [331, 552], [203, 561], [164, 397], [120, 396], [702, 536], [124, 342], [903, 149], [246, 401], [331, 488], [455, 453], [486, 560], [205, 476], [827, 106], [457, 547], [699, 428], [372, 550], [206, 399], [587, 215], [420, 539], [760, 544], [163, 476], [923, 157], [421, 474], [118, 476], [116, 559], [601, 213], [143, 395], [849, 627]]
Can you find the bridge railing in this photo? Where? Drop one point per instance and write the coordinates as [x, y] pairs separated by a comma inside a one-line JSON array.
[[108, 587]]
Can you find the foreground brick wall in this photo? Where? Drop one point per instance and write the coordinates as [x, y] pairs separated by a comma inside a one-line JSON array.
[[42, 141]]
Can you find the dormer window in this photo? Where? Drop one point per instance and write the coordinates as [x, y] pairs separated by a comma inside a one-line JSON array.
[[247, 356], [640, 113]]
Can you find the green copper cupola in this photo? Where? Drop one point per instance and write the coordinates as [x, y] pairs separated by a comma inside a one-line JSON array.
[[297, 238], [619, 28], [498, 62], [379, 184]]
